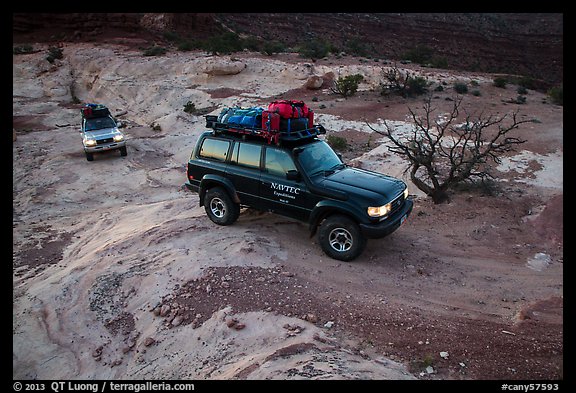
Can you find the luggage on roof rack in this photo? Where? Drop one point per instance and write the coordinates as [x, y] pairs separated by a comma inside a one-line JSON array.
[[271, 136], [90, 111], [275, 125]]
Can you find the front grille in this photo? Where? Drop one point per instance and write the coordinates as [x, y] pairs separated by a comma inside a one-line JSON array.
[[103, 141], [397, 203]]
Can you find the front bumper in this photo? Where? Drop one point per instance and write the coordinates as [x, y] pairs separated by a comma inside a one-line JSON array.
[[389, 225], [104, 147]]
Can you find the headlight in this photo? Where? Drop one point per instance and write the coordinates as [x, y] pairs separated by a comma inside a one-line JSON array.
[[379, 211], [90, 142], [406, 192], [118, 138]]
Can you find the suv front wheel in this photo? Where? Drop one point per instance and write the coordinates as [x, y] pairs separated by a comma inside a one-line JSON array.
[[219, 207], [340, 238]]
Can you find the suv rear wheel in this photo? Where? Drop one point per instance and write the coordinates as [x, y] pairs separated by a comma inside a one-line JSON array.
[[340, 238], [219, 207]]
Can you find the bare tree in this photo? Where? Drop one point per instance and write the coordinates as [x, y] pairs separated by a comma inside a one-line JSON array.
[[443, 153]]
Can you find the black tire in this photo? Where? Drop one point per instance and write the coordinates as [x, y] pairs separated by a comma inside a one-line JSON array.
[[220, 208], [340, 238], [90, 156], [123, 151]]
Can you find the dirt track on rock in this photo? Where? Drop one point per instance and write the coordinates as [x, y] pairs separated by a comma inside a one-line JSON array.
[[99, 248]]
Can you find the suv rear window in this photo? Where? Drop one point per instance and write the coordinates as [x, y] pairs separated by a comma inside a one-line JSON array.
[[214, 149]]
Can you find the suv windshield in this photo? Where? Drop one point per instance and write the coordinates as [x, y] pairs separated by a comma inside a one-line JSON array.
[[318, 158], [99, 123]]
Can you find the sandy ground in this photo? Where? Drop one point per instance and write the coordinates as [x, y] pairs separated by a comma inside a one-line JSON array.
[[119, 274]]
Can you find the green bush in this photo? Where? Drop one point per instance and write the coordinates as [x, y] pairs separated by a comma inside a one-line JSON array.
[[314, 49], [20, 50], [417, 85], [337, 142], [500, 82], [460, 87], [420, 54], [189, 107], [155, 51], [271, 47], [53, 54], [225, 43], [348, 85], [557, 95]]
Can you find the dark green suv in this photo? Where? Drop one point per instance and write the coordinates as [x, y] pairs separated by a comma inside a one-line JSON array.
[[304, 179]]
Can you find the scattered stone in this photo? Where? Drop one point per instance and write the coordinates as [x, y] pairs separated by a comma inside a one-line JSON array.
[[149, 341], [164, 310], [311, 318], [430, 370], [444, 355], [539, 261], [231, 322], [177, 321], [293, 329], [329, 324], [97, 352]]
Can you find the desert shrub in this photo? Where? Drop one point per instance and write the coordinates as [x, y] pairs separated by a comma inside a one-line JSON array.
[[23, 49], [402, 83], [460, 87], [271, 47], [419, 54], [348, 85], [521, 90], [189, 107], [357, 47], [557, 95], [500, 82], [337, 142], [155, 51], [417, 85], [53, 54], [187, 45], [227, 42], [314, 49]]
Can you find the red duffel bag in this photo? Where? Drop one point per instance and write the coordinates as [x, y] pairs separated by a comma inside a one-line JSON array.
[[289, 109]]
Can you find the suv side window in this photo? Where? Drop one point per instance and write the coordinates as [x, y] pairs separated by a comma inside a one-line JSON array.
[[247, 155], [215, 149], [278, 162]]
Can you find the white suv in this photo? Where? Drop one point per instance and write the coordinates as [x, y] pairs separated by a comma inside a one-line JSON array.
[[101, 134]]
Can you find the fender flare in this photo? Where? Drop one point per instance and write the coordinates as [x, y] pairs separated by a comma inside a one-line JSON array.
[[210, 181], [326, 208]]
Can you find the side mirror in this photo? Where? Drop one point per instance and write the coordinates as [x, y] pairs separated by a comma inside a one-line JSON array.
[[119, 124], [293, 175], [340, 156]]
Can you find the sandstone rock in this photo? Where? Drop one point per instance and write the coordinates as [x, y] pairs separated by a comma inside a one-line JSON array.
[[216, 67], [314, 82]]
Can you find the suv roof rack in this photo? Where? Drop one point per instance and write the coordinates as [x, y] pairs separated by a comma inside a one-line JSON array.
[[271, 136], [90, 111]]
